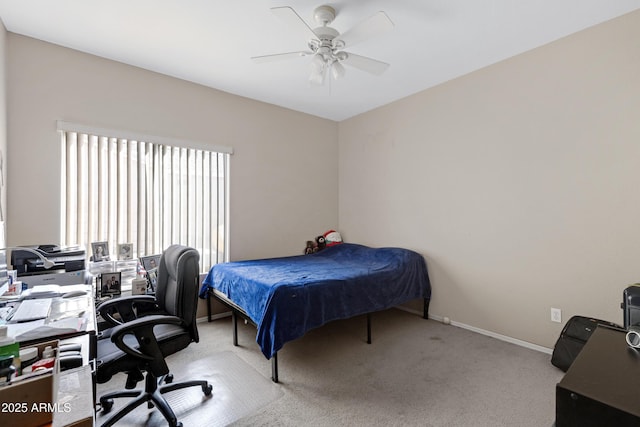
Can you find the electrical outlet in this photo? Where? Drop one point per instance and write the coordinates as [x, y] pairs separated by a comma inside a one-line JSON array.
[[556, 315]]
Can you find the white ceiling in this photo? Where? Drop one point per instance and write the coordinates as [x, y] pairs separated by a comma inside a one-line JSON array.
[[210, 42]]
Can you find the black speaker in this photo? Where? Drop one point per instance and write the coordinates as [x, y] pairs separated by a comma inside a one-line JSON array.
[[631, 305]]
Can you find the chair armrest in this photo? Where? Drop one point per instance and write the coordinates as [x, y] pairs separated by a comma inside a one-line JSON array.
[[124, 306], [142, 328]]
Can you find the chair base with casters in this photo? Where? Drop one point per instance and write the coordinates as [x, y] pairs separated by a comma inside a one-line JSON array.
[[153, 394]]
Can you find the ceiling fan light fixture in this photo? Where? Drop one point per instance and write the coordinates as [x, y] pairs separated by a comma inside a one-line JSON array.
[[317, 78], [337, 70], [317, 63]]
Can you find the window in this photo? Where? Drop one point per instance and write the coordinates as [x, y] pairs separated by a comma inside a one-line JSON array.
[[147, 191]]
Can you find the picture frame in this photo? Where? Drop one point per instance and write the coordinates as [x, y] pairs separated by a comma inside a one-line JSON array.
[[100, 251], [111, 284], [125, 251], [150, 262], [152, 280]]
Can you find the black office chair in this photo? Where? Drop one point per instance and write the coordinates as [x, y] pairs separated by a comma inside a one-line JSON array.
[[140, 344]]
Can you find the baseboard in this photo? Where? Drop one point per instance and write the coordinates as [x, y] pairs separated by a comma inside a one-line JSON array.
[[438, 319], [484, 332], [214, 317]]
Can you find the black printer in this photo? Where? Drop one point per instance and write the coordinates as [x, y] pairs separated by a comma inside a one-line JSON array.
[[68, 259]]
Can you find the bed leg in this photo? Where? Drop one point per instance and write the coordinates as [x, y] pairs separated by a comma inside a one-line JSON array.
[[425, 309], [368, 328], [274, 368], [209, 306], [234, 321]]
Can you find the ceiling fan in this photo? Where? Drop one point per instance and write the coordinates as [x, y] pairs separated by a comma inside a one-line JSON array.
[[325, 44]]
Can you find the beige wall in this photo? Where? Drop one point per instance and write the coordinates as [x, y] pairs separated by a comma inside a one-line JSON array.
[[3, 132], [518, 183], [283, 170]]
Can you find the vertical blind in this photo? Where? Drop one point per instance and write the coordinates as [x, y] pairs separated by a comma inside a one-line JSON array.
[[152, 195]]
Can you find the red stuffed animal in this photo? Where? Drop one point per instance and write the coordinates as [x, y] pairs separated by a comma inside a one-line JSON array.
[[332, 238]]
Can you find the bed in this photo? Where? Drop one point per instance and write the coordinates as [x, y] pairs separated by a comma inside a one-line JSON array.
[[286, 297]]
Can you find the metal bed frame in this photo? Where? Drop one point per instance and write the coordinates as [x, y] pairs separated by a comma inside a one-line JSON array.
[[236, 311]]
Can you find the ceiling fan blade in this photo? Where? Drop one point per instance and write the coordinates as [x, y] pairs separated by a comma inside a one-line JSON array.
[[279, 56], [291, 18], [364, 63], [373, 26]]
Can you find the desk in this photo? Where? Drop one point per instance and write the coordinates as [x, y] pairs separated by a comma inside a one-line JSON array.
[[76, 385], [602, 386], [69, 317], [74, 389]]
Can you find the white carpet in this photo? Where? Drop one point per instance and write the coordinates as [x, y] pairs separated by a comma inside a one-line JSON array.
[[238, 391], [416, 372]]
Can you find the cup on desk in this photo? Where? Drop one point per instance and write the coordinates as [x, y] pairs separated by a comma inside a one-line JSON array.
[[139, 286], [15, 288]]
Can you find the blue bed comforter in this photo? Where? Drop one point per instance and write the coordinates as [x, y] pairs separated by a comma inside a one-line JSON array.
[[286, 297]]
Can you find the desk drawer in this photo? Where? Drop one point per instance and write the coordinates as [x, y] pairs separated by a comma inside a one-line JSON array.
[[576, 410]]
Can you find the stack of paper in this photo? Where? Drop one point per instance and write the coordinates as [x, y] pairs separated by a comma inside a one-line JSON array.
[[32, 309]]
